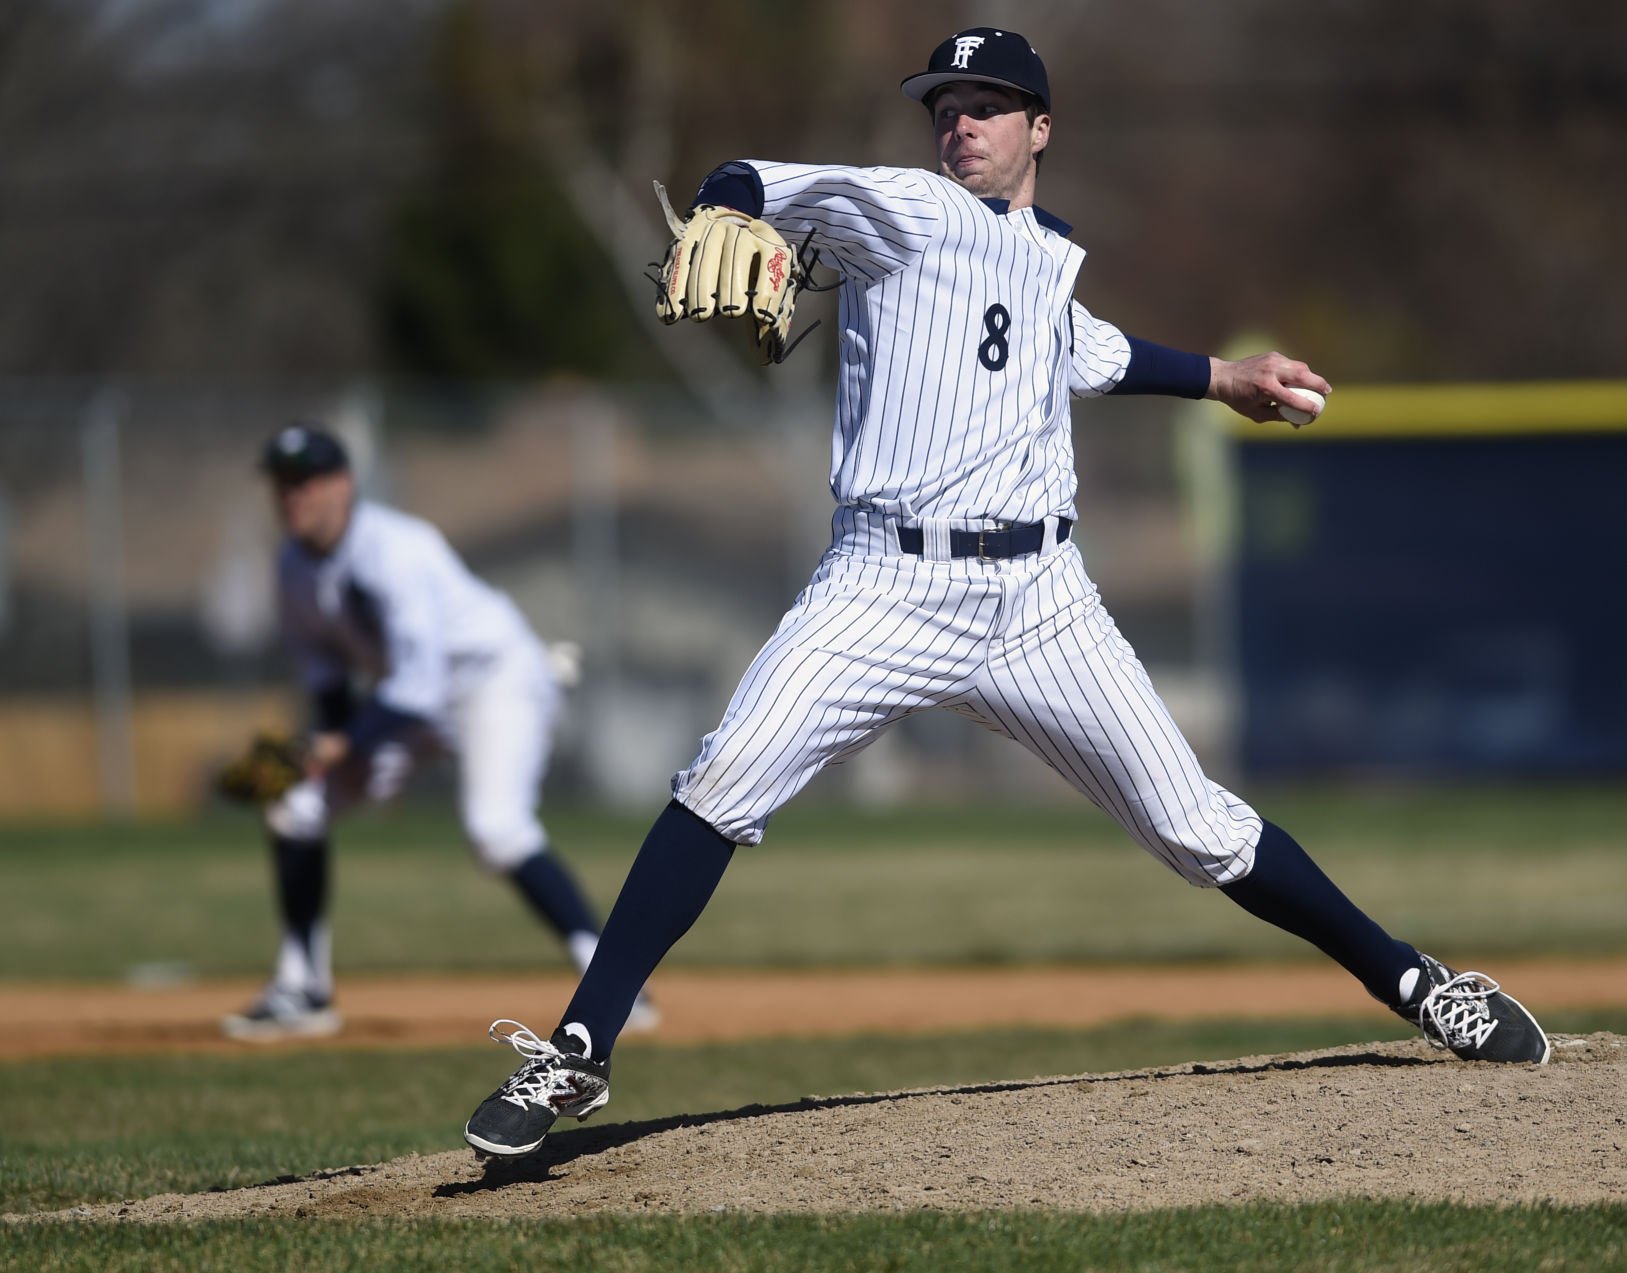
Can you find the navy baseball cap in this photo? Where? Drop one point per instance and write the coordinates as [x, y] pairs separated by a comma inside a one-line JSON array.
[[985, 56], [302, 451]]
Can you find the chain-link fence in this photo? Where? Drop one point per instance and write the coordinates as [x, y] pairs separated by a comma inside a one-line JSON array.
[[138, 639]]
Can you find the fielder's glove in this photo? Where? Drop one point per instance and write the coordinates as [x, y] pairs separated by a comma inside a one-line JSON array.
[[723, 262], [271, 765]]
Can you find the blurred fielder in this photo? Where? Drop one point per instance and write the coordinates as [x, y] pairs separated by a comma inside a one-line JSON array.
[[404, 653], [951, 580]]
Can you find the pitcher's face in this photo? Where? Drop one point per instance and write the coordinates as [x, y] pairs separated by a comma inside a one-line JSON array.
[[985, 141]]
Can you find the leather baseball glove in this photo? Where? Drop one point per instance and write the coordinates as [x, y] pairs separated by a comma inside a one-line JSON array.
[[723, 262], [269, 767]]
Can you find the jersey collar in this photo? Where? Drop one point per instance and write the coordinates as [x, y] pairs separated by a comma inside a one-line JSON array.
[[1053, 223]]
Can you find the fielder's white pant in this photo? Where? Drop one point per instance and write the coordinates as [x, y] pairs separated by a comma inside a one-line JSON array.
[[499, 723], [1023, 646]]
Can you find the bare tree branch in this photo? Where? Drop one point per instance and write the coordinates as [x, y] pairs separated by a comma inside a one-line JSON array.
[[618, 217]]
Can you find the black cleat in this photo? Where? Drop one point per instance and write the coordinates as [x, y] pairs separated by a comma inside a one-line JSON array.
[[283, 1014], [1468, 1013], [555, 1082]]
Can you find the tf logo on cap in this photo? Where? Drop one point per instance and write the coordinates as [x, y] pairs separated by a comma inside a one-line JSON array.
[[302, 451], [983, 55]]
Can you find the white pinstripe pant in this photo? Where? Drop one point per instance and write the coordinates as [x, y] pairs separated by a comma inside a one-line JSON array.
[[498, 722], [1023, 646]]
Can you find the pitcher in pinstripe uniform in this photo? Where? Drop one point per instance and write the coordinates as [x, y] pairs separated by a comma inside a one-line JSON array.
[[951, 580]]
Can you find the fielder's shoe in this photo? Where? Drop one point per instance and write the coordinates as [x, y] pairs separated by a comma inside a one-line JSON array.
[[644, 1017], [1469, 1013], [556, 1081], [283, 1014]]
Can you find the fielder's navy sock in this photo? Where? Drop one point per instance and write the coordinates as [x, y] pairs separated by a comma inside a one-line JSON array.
[[671, 880], [554, 894], [1289, 890], [302, 884]]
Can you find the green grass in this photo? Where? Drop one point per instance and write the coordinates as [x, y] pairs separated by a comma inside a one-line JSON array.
[[1347, 1237], [1492, 872], [1482, 871], [79, 1130]]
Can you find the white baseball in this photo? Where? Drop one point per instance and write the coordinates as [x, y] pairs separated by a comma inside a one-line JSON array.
[[1296, 416]]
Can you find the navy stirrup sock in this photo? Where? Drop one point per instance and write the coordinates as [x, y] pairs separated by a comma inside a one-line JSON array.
[[553, 893], [1287, 889], [302, 883], [671, 880]]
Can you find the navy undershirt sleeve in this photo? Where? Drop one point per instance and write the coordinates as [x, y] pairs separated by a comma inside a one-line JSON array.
[[1158, 369], [377, 723], [734, 185], [332, 707]]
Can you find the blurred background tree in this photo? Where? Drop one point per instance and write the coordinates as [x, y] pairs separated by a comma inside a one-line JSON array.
[[434, 188], [487, 273]]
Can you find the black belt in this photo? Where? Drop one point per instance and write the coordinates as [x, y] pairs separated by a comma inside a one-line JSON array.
[[1013, 541]]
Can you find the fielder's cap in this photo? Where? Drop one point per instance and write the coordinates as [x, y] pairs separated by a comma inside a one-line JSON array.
[[985, 56], [303, 451]]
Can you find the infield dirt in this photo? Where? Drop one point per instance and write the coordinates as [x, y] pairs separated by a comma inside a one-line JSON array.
[[718, 1006]]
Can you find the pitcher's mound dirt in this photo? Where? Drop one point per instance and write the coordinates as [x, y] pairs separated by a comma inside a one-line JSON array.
[[1396, 1120]]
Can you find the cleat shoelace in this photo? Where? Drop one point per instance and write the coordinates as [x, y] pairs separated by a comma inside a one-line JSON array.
[[540, 1079], [1457, 1014]]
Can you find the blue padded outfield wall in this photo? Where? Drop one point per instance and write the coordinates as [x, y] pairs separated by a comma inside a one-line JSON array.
[[1433, 581]]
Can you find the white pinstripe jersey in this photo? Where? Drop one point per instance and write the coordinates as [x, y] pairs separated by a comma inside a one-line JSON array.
[[396, 605], [961, 342]]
